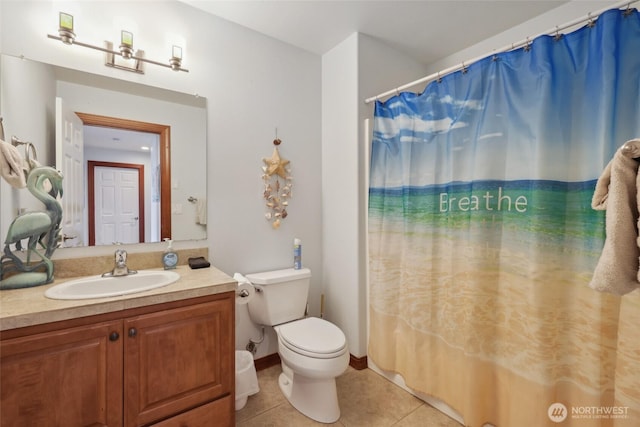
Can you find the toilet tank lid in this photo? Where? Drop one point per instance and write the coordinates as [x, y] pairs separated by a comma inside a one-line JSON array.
[[278, 276]]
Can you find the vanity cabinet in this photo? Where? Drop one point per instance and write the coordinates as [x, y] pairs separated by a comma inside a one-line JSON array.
[[167, 365]]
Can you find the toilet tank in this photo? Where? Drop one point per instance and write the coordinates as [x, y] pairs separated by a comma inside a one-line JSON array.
[[280, 297]]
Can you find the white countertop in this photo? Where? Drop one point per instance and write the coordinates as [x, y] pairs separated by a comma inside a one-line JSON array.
[[27, 307]]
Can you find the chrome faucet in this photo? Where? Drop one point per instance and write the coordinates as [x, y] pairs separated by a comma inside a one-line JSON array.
[[120, 268]]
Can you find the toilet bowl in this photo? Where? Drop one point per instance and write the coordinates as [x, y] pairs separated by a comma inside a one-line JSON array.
[[313, 352]]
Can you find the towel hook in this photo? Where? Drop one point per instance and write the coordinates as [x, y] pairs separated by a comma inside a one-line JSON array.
[[30, 148], [15, 141]]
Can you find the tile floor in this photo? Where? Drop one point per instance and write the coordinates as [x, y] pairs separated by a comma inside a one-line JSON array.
[[366, 399]]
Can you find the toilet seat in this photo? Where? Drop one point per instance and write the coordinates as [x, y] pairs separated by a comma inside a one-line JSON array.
[[313, 337]]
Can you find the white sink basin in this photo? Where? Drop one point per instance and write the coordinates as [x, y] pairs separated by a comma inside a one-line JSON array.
[[103, 287]]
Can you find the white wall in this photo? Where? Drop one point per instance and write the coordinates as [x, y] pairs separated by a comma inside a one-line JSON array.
[[340, 189], [355, 69], [252, 83]]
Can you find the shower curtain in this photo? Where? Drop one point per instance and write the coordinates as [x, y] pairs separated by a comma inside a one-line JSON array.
[[483, 241]]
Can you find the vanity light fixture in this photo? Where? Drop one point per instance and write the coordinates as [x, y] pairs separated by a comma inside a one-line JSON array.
[[126, 51]]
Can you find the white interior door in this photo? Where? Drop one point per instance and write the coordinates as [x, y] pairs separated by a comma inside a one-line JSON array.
[[117, 210], [70, 161]]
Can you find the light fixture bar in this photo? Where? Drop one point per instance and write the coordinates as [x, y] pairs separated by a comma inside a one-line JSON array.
[[67, 36], [110, 58]]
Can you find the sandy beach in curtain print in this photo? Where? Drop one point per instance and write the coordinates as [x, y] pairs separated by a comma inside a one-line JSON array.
[[488, 269]]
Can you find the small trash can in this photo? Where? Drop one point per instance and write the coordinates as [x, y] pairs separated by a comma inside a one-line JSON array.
[[246, 378]]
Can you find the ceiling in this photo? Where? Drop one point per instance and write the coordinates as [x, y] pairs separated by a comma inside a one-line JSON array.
[[118, 139], [426, 30]]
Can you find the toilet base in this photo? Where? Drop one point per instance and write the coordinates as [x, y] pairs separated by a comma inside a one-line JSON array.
[[314, 397]]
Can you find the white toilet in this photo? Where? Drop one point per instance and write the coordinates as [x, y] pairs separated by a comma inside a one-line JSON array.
[[313, 351]]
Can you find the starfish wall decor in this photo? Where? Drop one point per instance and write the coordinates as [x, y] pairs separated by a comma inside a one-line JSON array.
[[277, 186]]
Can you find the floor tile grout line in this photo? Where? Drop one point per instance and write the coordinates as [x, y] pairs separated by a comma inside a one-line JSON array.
[[408, 414]]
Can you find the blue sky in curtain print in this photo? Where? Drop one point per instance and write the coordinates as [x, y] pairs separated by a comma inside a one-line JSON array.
[[557, 111]]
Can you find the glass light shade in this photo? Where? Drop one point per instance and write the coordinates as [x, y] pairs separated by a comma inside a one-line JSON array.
[[66, 21], [126, 39], [126, 44], [176, 52]]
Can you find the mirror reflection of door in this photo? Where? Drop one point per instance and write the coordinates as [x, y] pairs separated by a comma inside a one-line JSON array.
[[120, 140], [116, 203], [70, 159]]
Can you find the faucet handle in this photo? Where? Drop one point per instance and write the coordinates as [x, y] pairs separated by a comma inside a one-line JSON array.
[[121, 257]]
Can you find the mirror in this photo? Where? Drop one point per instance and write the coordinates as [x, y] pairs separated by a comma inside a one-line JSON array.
[[113, 120]]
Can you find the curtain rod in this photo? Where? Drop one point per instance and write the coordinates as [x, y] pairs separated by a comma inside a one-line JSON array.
[[590, 16]]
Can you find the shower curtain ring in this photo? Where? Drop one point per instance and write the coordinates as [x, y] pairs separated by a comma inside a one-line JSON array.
[[591, 22], [627, 11], [558, 36], [439, 79]]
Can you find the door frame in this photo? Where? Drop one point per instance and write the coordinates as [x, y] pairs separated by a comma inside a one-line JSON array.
[[164, 134], [91, 196]]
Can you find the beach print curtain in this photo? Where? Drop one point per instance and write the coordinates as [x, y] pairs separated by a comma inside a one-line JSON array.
[[483, 241]]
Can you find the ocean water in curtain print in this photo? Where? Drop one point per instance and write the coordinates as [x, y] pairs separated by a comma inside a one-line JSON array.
[[483, 241]]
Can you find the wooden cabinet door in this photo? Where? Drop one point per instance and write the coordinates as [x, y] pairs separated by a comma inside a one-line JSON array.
[[70, 377], [177, 359]]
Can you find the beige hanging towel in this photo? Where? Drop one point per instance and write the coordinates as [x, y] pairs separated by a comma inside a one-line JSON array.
[[616, 192], [12, 165], [201, 211]]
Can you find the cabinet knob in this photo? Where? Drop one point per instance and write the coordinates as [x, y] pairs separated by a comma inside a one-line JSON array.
[[113, 336], [133, 332]]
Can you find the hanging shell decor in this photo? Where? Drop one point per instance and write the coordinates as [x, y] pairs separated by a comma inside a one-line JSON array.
[[277, 186]]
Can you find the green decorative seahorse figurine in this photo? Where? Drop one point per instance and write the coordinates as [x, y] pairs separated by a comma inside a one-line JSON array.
[[42, 231]]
